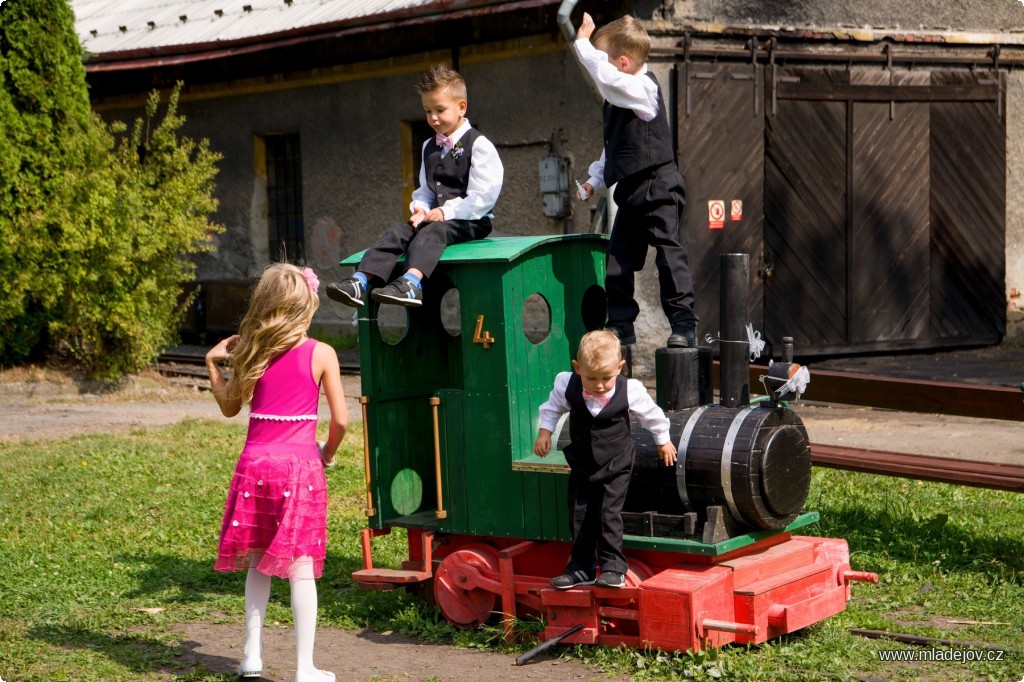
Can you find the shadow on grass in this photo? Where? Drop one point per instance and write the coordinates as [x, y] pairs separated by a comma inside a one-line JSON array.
[[911, 539], [179, 580], [173, 579], [136, 653]]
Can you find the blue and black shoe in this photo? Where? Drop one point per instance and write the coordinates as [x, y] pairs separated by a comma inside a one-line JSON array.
[[611, 579], [349, 291], [573, 579], [400, 292]]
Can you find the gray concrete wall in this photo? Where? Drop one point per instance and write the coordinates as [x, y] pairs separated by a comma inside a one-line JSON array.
[[352, 149], [965, 15]]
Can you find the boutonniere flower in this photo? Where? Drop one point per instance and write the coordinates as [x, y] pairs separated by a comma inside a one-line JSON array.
[[458, 150]]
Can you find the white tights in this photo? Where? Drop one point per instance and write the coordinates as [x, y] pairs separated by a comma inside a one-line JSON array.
[[304, 605]]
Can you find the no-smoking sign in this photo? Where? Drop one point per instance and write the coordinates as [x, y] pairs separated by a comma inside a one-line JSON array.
[[716, 214], [736, 210]]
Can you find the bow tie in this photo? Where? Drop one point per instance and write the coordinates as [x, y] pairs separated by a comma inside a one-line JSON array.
[[443, 141], [602, 399]]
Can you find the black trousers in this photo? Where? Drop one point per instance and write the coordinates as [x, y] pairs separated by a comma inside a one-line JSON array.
[[595, 518], [650, 211], [422, 246]]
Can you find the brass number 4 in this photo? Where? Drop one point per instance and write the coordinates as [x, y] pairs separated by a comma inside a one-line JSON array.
[[480, 336]]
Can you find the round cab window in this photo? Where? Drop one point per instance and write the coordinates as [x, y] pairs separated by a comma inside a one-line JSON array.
[[594, 308], [392, 323], [451, 312], [536, 318]]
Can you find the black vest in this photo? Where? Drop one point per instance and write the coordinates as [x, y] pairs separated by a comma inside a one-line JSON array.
[[448, 174], [632, 144], [600, 445]]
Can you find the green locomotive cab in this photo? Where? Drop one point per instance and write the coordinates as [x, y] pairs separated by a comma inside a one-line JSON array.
[[451, 389]]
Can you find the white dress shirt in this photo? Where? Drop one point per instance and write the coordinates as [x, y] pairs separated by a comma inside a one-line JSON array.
[[485, 177], [641, 406], [626, 90]]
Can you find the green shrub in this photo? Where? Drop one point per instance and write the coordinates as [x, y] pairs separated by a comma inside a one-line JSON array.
[[97, 222], [125, 256]]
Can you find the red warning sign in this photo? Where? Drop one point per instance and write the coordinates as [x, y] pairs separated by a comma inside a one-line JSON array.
[[716, 214], [736, 210]]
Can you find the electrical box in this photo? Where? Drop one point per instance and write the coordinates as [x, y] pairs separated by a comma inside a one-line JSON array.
[[554, 186]]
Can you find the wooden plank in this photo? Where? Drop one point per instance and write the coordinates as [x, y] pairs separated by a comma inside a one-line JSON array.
[[805, 220], [720, 124], [888, 93], [968, 216], [967, 400], [908, 395], [888, 229], [921, 467]]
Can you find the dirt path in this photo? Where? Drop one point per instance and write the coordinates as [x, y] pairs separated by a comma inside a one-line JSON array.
[[367, 656], [50, 406]]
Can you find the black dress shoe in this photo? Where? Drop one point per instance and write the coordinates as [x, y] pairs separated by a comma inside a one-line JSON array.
[[683, 339], [624, 332]]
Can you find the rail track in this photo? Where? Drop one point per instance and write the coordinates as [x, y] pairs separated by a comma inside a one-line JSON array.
[[907, 395]]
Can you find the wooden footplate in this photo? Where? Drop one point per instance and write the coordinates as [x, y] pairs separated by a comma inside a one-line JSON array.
[[388, 578]]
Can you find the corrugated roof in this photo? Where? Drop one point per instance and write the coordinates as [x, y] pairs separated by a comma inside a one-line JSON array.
[[112, 27]]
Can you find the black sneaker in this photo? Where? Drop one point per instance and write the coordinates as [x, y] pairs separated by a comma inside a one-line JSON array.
[[400, 292], [610, 579], [348, 291], [574, 579], [683, 338], [624, 331]]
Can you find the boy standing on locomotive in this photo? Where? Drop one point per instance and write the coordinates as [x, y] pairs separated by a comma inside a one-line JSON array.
[[639, 158], [599, 400], [459, 183]]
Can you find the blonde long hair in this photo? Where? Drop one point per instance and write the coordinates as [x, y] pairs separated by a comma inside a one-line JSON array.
[[280, 311]]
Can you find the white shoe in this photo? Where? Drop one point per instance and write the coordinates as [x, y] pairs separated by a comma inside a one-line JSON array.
[[315, 676], [250, 667]]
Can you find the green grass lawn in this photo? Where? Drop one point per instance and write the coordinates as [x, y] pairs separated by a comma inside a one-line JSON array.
[[107, 543]]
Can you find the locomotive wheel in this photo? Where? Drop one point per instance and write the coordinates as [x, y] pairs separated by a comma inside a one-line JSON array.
[[637, 573], [461, 601]]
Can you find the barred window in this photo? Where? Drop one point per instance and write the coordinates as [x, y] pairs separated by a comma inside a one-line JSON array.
[[284, 198]]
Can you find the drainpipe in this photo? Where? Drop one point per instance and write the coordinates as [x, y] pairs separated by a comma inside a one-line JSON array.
[[565, 24]]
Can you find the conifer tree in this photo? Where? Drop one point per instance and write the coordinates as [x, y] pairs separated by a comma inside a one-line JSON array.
[[46, 123]]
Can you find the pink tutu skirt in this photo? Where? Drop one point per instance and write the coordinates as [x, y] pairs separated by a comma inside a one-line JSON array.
[[276, 507]]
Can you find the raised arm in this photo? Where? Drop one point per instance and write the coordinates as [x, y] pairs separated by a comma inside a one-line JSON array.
[[228, 400]]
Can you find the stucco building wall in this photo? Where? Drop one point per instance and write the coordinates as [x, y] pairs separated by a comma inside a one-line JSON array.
[[350, 131], [966, 15]]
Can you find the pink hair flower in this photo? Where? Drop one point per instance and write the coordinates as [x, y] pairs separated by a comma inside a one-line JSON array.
[[311, 279]]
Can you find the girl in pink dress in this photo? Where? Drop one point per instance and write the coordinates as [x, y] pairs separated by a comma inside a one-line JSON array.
[[275, 519]]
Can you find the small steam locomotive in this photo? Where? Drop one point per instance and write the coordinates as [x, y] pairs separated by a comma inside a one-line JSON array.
[[451, 392]]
